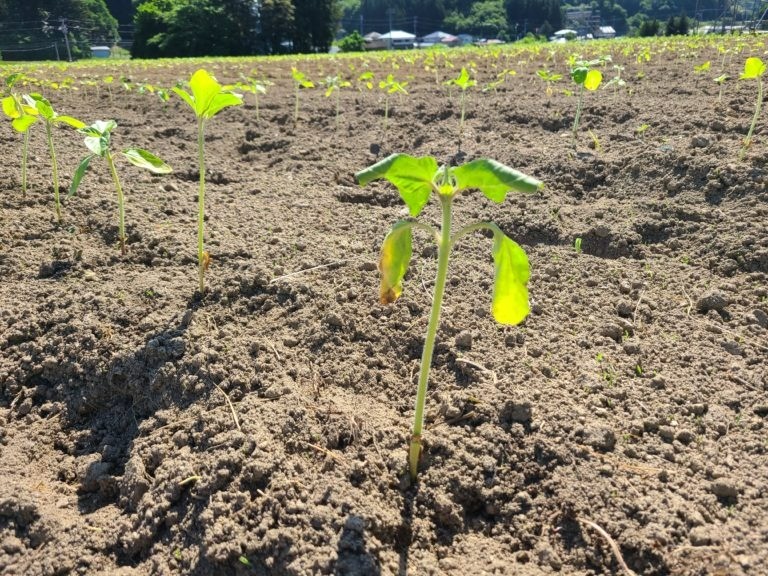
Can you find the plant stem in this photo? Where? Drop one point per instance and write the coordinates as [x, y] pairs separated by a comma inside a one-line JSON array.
[[201, 204], [758, 105], [120, 202], [296, 110], [578, 115], [386, 111], [24, 154], [444, 250], [55, 166], [461, 121]]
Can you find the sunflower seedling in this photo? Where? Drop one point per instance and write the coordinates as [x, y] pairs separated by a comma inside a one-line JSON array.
[[549, 78], [720, 81], [22, 118], [584, 77], [300, 81], [416, 179], [334, 84], [50, 117], [753, 68], [465, 82], [391, 86], [98, 138], [207, 99]]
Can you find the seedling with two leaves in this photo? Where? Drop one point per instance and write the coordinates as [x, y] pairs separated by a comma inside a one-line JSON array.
[[391, 86], [416, 179], [22, 118], [588, 78], [50, 118], [98, 139], [207, 99], [300, 81], [753, 68], [465, 82], [334, 84], [549, 78]]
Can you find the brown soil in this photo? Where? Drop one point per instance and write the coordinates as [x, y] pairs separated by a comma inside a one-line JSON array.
[[262, 428]]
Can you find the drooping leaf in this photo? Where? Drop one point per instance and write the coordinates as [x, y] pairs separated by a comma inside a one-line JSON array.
[[39, 103], [579, 74], [510, 291], [753, 68], [394, 260], [97, 144], [411, 176], [146, 160], [593, 79], [79, 173], [74, 122], [22, 123], [493, 179], [186, 96]]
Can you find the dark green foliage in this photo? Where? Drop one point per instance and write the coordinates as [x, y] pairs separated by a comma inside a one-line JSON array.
[[486, 19], [169, 28], [649, 27], [352, 43], [529, 15], [315, 23], [677, 26], [88, 21]]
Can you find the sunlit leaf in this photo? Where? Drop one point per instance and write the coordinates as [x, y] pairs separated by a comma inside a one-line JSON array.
[[510, 291], [593, 79], [394, 260], [493, 179], [411, 176], [146, 160], [753, 68]]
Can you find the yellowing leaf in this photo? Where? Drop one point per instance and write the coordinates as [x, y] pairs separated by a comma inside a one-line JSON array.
[[753, 68], [593, 79], [394, 260], [510, 291], [411, 176]]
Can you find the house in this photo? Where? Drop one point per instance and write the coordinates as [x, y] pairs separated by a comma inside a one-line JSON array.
[[398, 39], [100, 52], [439, 38], [605, 32], [373, 41]]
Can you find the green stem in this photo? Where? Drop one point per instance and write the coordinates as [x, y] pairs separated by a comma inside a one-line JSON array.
[[56, 200], [758, 105], [120, 202], [444, 250], [24, 155], [461, 121], [296, 110], [578, 114], [386, 111], [472, 228], [201, 205]]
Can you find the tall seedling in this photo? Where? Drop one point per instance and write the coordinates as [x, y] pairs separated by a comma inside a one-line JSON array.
[[753, 68], [585, 79], [335, 84], [416, 179], [22, 118], [98, 138], [50, 117], [390, 86], [300, 81], [207, 99], [464, 82]]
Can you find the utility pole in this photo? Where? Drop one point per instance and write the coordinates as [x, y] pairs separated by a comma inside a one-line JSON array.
[[64, 30]]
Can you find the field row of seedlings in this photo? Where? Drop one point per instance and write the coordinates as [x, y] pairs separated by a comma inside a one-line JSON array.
[[225, 283]]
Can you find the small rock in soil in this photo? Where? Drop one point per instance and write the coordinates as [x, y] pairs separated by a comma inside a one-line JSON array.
[[699, 141], [600, 438], [704, 536], [464, 340], [685, 436], [625, 309], [714, 300], [724, 488], [761, 317], [612, 331], [520, 412]]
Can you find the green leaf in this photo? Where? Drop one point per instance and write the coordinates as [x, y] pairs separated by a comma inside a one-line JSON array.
[[11, 107], [208, 97], [74, 122], [393, 263], [22, 123], [753, 68], [411, 176], [146, 160], [593, 79], [579, 74], [510, 291], [493, 179], [97, 144], [79, 173], [39, 103]]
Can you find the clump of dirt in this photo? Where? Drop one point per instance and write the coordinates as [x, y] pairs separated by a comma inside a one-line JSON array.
[[262, 428]]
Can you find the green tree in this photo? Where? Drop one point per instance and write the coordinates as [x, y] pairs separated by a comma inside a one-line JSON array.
[[315, 24], [276, 24], [86, 21], [486, 19], [170, 28], [526, 15], [353, 42]]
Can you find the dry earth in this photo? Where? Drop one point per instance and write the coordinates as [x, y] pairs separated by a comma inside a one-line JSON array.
[[262, 428]]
